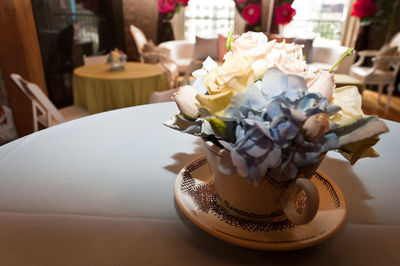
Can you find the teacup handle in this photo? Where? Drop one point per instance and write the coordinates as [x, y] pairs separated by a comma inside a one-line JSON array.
[[312, 201]]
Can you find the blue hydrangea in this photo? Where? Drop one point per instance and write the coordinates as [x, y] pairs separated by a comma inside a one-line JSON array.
[[269, 118]]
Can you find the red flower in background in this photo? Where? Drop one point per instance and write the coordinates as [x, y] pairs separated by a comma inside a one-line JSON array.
[[364, 8], [89, 4], [284, 14], [166, 6], [241, 1], [252, 14], [184, 2]]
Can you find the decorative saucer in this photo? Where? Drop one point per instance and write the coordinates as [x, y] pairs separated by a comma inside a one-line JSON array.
[[195, 195]]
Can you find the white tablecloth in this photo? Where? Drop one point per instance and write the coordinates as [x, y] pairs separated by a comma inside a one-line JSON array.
[[100, 191]]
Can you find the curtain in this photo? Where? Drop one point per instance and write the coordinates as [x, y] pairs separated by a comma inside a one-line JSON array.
[[351, 28], [275, 27], [250, 10]]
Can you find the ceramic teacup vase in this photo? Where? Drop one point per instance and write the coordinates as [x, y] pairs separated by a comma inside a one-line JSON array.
[[297, 199]]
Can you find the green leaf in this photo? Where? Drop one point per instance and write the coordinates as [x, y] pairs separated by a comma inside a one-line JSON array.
[[257, 28], [229, 40], [355, 151]]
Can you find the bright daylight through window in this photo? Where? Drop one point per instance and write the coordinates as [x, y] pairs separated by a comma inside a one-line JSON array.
[[319, 19], [208, 18]]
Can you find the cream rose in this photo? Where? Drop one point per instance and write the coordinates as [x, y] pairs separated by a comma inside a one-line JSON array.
[[349, 99], [322, 82], [253, 44], [260, 67], [235, 75], [288, 57]]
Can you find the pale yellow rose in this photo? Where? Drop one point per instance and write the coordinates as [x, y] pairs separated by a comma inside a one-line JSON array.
[[253, 44], [235, 75], [216, 103], [349, 99]]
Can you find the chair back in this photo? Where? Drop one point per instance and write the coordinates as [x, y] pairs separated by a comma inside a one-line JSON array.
[[395, 66], [40, 102], [330, 55], [162, 96], [179, 49], [396, 42], [96, 59], [139, 38]]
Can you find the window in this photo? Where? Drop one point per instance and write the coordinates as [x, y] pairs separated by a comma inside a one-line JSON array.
[[320, 19], [208, 18]]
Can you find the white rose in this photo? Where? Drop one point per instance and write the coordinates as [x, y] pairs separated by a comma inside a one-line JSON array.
[[185, 99]]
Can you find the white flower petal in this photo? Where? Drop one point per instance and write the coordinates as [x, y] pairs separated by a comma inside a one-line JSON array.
[[209, 64]]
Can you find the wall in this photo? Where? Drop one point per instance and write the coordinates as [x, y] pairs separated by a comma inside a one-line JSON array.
[[3, 93], [20, 54], [144, 15]]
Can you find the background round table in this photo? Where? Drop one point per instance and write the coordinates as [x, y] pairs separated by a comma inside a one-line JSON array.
[[100, 191], [99, 89]]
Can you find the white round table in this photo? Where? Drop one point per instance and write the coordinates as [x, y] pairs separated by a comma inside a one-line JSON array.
[[100, 191]]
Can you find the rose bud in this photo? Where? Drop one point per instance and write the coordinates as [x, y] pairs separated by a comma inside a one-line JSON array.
[[315, 126], [185, 99]]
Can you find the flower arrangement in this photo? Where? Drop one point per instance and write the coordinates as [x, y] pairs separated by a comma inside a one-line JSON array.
[[117, 58], [284, 13], [251, 13], [169, 7], [270, 113], [365, 10]]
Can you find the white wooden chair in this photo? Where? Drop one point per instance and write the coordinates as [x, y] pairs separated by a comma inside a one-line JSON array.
[[386, 66], [181, 53], [95, 59], [44, 111], [152, 57]]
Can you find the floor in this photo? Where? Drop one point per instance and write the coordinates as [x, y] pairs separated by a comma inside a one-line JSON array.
[[370, 106]]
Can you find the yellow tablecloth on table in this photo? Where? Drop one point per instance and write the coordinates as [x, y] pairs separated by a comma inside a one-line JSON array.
[[99, 89]]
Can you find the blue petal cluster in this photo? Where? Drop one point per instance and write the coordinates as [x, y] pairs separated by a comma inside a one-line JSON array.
[[269, 118]]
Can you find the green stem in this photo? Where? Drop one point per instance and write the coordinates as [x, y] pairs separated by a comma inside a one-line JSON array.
[[347, 53], [229, 40]]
